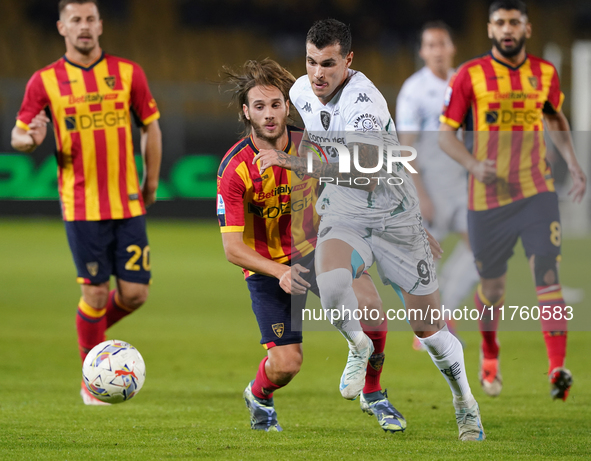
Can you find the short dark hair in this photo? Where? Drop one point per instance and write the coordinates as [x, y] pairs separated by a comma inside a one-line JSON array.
[[63, 3], [264, 73], [435, 25], [507, 5], [328, 32]]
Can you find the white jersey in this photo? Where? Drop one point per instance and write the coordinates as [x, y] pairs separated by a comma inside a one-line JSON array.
[[418, 107], [358, 113]]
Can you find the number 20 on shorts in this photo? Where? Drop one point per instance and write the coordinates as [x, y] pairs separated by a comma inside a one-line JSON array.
[[133, 263]]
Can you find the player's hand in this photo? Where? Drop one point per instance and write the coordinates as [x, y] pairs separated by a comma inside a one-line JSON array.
[[485, 171], [148, 194], [436, 249], [38, 127], [292, 282], [269, 158], [579, 182]]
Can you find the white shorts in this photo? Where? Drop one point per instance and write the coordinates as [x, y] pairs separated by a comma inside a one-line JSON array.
[[402, 252]]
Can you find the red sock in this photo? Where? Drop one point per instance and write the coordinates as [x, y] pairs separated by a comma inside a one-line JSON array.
[[374, 369], [554, 331], [556, 348], [488, 324], [262, 387], [116, 310], [90, 325]]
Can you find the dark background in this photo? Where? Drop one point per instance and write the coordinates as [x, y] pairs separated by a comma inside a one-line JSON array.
[[183, 44]]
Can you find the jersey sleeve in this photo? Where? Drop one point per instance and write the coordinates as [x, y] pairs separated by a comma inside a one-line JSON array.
[[230, 202], [34, 101], [458, 98], [408, 116], [555, 97], [142, 102]]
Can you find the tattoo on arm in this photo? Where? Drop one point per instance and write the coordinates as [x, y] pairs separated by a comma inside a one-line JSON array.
[[367, 158]]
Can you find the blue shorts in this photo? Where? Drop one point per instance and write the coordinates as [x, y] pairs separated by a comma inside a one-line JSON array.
[[118, 246], [273, 307], [494, 233]]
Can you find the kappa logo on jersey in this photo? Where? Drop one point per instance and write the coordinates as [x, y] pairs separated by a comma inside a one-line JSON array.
[[366, 122], [307, 107], [325, 119], [362, 98], [221, 205], [110, 81]]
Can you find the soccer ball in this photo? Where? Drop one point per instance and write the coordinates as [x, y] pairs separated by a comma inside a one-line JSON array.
[[114, 371]]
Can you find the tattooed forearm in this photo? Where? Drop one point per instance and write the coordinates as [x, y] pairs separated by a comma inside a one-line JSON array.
[[367, 158]]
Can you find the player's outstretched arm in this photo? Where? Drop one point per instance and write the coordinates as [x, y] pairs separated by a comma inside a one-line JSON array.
[[151, 145], [484, 171], [27, 141], [240, 254], [559, 132]]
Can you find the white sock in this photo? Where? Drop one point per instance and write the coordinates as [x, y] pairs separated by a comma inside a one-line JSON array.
[[447, 355], [460, 276], [339, 301]]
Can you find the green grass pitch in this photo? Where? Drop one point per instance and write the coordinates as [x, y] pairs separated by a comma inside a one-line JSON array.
[[199, 338]]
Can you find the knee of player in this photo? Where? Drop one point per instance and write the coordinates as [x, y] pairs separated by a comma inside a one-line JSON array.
[[135, 298], [494, 294], [372, 302], [284, 367], [290, 367], [333, 284]]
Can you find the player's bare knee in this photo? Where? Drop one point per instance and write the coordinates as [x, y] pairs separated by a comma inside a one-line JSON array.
[[545, 270], [493, 292], [371, 308], [289, 369], [284, 367], [134, 297], [426, 327]]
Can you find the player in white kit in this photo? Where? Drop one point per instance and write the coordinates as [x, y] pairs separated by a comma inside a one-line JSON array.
[[442, 184], [364, 219]]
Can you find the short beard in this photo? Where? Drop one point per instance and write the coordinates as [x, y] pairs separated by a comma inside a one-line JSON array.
[[85, 51], [259, 130], [513, 51]]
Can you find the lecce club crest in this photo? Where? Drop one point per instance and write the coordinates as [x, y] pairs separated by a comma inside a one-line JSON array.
[[110, 81], [278, 329], [92, 268], [533, 81]]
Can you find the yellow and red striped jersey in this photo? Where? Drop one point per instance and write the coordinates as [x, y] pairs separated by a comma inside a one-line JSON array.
[[274, 211], [90, 109], [501, 110]]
